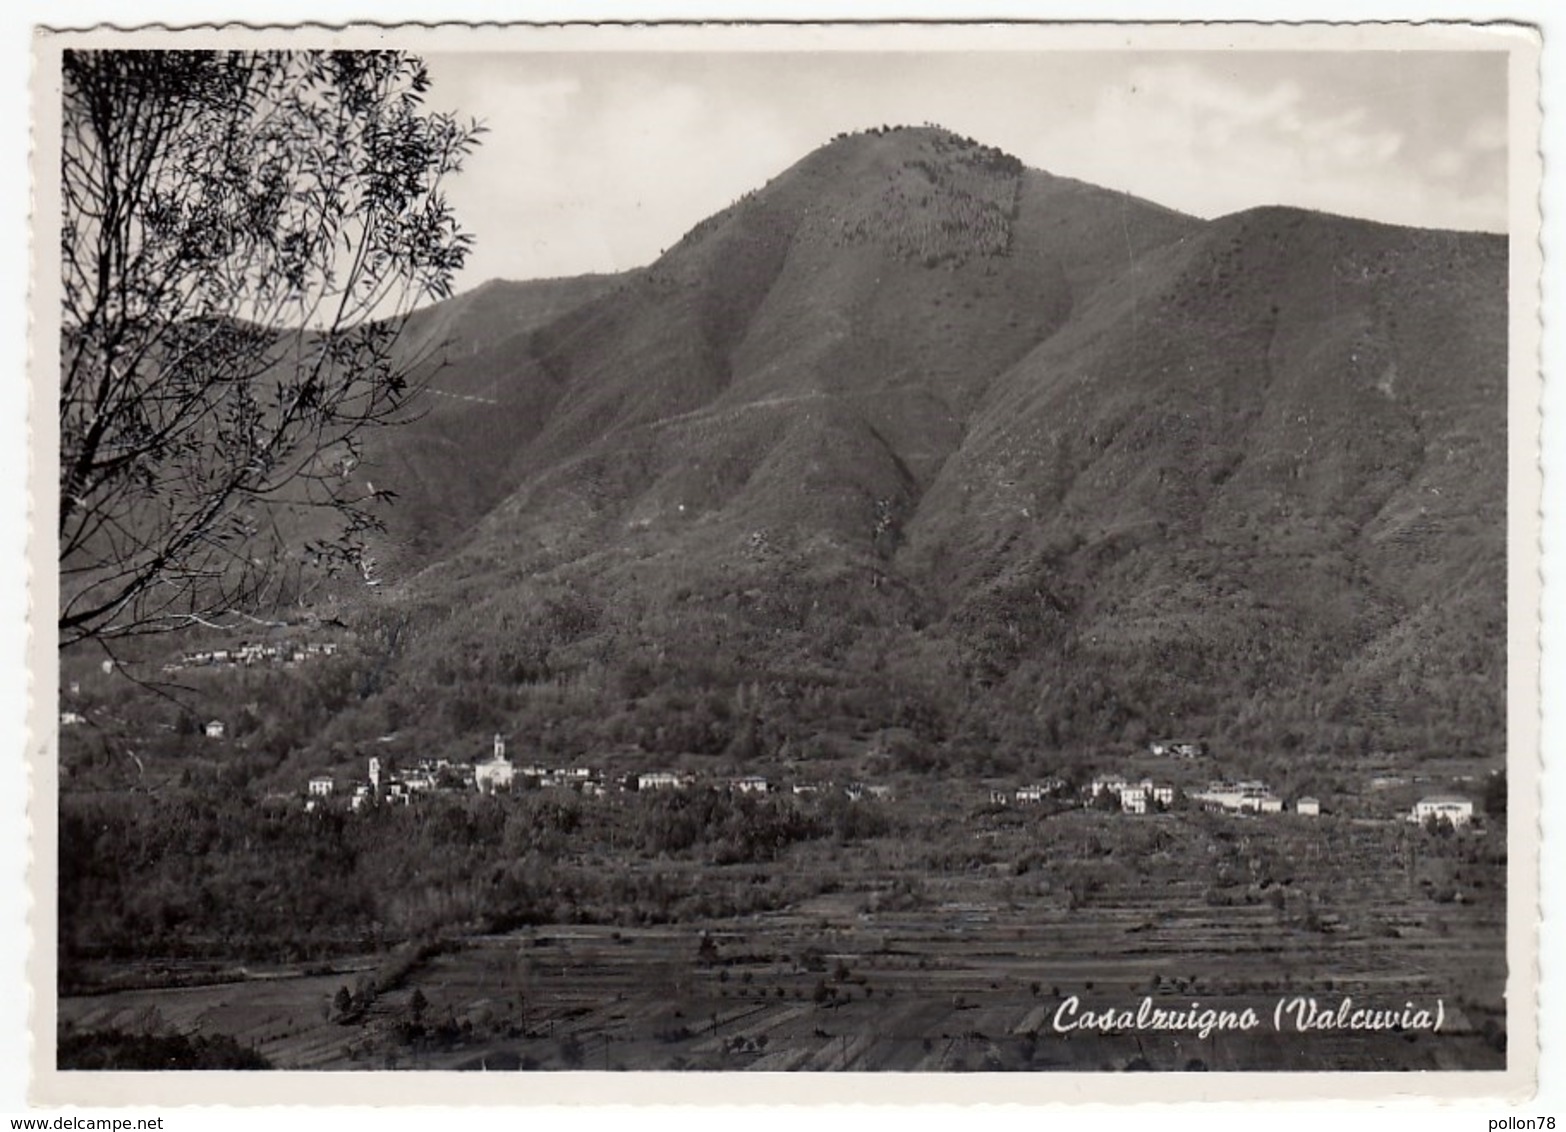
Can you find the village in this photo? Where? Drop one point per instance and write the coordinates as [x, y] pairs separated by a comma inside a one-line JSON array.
[[497, 773], [285, 654]]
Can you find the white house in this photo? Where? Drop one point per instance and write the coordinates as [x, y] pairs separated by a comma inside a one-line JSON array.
[[1176, 748], [215, 729], [1218, 795], [321, 786], [1311, 807], [750, 784], [420, 781], [1028, 795], [1443, 807], [658, 780], [1133, 800], [1242, 797], [71, 718], [494, 774]]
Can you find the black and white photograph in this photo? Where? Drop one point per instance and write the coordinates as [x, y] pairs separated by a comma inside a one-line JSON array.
[[586, 552]]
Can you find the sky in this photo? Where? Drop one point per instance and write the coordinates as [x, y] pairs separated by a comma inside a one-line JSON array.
[[597, 162]]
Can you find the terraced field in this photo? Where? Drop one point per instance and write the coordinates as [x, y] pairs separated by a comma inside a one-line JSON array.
[[905, 967]]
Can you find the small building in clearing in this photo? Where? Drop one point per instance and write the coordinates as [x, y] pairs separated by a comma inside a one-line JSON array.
[[1177, 748], [1310, 807], [321, 786], [215, 729], [1443, 807]]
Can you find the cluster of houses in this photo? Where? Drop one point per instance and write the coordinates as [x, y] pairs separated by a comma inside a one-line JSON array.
[[252, 653], [1147, 795], [1135, 797], [1248, 797], [492, 775], [654, 780], [498, 774], [1031, 794]]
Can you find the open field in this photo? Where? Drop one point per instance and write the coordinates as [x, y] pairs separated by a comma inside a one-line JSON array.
[[904, 964]]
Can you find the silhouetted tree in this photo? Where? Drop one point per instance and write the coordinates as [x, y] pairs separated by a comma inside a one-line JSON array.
[[241, 235]]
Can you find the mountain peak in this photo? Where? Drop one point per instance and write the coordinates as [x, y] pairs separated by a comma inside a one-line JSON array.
[[926, 134], [1064, 438]]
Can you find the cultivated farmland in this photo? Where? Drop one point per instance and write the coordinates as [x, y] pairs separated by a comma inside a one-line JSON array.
[[942, 954]]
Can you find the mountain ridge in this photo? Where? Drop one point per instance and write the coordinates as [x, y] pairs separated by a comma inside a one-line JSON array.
[[999, 457]]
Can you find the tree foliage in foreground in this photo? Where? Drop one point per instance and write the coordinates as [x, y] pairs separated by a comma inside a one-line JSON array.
[[241, 235]]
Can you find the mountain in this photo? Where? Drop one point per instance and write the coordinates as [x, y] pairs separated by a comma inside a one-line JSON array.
[[919, 453]]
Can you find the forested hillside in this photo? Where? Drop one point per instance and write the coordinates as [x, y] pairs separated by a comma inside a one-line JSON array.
[[918, 455]]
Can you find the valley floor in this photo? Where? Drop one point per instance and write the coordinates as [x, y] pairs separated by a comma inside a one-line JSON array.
[[965, 970]]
